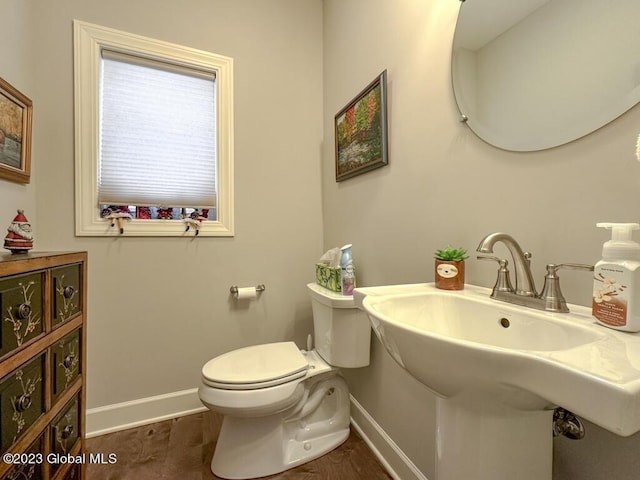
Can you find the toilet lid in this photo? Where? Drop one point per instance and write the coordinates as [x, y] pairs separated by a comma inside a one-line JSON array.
[[257, 366]]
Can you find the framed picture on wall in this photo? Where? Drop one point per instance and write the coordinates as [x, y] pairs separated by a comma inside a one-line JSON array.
[[16, 112], [361, 131]]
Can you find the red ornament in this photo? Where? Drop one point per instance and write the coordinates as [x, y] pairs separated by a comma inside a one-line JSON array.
[[165, 213], [20, 236]]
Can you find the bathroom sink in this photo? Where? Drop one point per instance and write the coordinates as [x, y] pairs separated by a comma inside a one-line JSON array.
[[478, 322], [499, 370], [466, 347]]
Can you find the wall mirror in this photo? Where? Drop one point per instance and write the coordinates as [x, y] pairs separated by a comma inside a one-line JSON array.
[[534, 74]]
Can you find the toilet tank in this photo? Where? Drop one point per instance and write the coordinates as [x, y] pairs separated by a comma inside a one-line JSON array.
[[342, 333]]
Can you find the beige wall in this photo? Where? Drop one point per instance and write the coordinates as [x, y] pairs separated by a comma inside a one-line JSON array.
[[18, 68], [443, 185], [159, 308]]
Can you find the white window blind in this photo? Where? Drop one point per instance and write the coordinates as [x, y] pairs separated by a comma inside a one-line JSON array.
[[157, 133]]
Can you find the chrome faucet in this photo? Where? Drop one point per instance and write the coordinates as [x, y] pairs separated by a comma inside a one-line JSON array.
[[524, 293], [525, 286]]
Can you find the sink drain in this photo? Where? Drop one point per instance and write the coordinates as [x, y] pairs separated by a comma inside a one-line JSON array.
[[505, 322]]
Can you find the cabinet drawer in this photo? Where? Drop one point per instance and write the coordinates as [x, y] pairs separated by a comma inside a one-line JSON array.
[[67, 292], [21, 401], [20, 310], [66, 362], [65, 429], [30, 465]]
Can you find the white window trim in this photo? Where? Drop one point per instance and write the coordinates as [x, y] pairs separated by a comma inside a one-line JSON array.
[[89, 40]]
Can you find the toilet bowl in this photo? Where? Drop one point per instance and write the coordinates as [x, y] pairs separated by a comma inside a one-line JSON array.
[[284, 406], [282, 419]]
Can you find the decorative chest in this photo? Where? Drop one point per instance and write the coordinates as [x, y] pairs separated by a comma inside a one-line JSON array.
[[42, 364]]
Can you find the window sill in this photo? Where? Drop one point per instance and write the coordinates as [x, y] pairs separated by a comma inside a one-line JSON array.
[[153, 228]]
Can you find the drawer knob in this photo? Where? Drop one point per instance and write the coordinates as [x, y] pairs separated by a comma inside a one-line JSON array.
[[68, 361], [67, 432], [24, 311], [23, 403], [68, 292]]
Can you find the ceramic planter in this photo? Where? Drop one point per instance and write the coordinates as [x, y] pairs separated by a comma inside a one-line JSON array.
[[449, 275]]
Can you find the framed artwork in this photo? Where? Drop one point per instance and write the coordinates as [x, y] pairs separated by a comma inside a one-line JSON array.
[[16, 112], [361, 131]]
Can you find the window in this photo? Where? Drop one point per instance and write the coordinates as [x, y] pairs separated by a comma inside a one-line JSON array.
[[153, 133]]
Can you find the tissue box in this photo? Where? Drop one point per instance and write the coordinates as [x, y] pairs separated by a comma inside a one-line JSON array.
[[328, 277]]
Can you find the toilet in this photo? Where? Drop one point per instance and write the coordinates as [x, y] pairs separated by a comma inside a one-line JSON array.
[[283, 406]]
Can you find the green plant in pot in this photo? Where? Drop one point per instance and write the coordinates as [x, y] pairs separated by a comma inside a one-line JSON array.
[[449, 268]]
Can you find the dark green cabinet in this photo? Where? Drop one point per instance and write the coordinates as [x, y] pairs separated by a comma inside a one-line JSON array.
[[67, 298], [65, 363], [42, 365], [20, 310], [31, 466], [64, 430], [21, 401]]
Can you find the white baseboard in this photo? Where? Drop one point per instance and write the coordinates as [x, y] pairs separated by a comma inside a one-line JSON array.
[[121, 416], [394, 460]]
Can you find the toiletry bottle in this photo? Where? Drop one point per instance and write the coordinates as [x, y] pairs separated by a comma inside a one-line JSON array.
[[616, 280], [348, 271]]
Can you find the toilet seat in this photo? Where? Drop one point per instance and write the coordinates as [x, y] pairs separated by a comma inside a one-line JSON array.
[[256, 367]]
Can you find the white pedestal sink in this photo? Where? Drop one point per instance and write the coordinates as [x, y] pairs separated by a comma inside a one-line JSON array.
[[499, 370]]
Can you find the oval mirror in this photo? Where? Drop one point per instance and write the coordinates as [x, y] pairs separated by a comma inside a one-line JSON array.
[[534, 74]]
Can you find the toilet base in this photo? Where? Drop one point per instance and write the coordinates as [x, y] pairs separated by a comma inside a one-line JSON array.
[[261, 446]]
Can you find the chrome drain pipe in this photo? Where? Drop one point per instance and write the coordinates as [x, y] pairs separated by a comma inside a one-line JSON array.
[[567, 424]]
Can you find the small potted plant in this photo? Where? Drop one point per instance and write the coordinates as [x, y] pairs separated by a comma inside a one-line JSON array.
[[450, 268]]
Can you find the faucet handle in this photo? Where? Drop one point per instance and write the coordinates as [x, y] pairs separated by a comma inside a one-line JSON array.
[[503, 282], [552, 268], [551, 293]]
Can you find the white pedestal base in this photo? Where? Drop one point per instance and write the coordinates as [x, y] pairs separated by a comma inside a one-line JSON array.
[[476, 443]]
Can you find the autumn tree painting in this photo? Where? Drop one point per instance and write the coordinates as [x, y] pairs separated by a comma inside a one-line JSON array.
[[360, 130], [16, 112], [10, 132]]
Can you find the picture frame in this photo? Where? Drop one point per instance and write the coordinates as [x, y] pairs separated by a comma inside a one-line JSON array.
[[16, 114], [360, 130]]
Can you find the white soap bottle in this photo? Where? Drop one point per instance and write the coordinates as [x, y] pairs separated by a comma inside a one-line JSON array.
[[616, 279]]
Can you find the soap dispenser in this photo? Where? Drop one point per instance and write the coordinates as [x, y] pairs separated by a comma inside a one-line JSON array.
[[616, 303]]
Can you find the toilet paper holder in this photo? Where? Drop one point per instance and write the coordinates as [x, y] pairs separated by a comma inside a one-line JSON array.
[[259, 288]]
